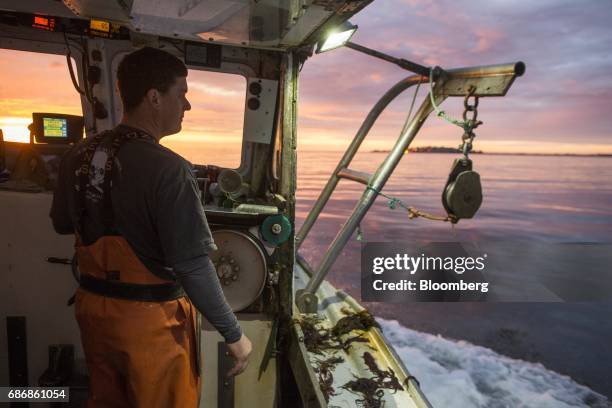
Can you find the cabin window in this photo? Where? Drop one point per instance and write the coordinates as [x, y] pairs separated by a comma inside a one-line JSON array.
[[212, 129], [33, 82]]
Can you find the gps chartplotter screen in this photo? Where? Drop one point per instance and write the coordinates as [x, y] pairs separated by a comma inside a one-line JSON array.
[[57, 128]]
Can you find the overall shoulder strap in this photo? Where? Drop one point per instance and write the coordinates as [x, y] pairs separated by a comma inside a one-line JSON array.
[[83, 176], [117, 142]]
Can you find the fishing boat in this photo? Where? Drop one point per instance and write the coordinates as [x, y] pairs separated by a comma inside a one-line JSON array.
[[314, 345]]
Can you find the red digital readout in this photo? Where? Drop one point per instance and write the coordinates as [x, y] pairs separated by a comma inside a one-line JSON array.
[[44, 23]]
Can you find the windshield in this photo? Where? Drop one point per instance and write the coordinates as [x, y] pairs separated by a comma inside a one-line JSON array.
[[212, 129], [33, 82]]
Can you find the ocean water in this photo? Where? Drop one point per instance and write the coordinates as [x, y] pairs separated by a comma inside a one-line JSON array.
[[482, 354], [478, 354], [542, 198], [460, 374]]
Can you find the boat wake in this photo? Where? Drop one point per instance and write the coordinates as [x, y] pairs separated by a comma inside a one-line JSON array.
[[460, 374]]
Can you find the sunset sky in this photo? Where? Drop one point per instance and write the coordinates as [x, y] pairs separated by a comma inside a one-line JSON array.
[[561, 104]]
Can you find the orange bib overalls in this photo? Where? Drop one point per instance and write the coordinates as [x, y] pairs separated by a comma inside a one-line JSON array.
[[139, 331]]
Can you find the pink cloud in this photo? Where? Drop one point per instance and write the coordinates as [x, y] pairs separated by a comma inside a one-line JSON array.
[[375, 77], [488, 38]]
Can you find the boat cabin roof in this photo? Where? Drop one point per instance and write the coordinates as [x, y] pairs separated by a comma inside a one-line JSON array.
[[265, 24]]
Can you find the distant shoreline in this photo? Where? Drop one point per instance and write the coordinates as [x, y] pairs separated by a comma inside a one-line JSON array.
[[447, 150]]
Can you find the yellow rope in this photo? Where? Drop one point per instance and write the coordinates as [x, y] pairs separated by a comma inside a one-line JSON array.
[[413, 212]]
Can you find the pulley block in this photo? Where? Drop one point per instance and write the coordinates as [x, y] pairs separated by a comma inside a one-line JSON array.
[[462, 195]]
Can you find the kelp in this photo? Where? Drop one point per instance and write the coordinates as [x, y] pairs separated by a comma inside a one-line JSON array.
[[318, 339], [386, 378], [357, 321], [372, 389], [348, 330], [324, 370]]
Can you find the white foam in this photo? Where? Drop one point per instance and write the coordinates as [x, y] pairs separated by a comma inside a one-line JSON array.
[[460, 374]]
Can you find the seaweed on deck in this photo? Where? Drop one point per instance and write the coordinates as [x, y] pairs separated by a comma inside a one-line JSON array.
[[386, 378], [357, 321], [372, 389], [324, 370], [318, 339]]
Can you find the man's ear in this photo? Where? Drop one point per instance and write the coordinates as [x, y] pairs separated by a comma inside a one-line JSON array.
[[153, 97]]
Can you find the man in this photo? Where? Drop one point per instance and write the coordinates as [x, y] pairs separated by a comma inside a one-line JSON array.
[[142, 241]]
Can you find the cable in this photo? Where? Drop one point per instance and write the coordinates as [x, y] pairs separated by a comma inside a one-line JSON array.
[[70, 68], [407, 122]]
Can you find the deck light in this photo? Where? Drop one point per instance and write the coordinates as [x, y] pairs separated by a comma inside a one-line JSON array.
[[341, 35], [337, 37]]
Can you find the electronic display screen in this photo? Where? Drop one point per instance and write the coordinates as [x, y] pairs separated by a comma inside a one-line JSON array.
[[100, 25], [55, 127]]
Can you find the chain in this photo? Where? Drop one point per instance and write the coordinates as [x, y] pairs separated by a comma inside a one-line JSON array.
[[469, 123]]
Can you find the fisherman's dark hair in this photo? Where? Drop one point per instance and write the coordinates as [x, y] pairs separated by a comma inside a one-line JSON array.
[[145, 69]]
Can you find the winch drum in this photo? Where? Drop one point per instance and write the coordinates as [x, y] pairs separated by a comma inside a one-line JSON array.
[[241, 267]]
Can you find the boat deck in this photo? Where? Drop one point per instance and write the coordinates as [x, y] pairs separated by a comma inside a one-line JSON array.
[[353, 369]]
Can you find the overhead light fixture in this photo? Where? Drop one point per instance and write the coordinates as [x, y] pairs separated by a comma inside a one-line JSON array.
[[337, 37], [341, 35]]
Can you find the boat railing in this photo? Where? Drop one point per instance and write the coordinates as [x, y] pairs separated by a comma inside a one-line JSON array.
[[492, 80]]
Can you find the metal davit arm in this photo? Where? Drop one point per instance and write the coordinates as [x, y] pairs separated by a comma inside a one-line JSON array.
[[488, 81], [352, 150], [306, 300]]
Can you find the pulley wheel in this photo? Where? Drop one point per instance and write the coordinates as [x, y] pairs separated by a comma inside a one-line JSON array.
[[240, 266], [276, 229], [464, 195]]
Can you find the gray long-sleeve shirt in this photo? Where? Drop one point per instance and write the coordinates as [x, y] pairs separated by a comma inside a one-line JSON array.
[[157, 209], [199, 279]]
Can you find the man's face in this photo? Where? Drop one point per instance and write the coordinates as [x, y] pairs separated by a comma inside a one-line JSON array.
[[173, 104]]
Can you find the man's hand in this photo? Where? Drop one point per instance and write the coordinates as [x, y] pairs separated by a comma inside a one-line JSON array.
[[240, 350]]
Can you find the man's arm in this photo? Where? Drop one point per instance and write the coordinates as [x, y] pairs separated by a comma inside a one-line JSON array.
[[186, 241], [60, 212], [199, 279]]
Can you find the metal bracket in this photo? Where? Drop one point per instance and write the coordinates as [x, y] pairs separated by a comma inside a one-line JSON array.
[[358, 176], [17, 351], [491, 80], [306, 302], [225, 386]]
